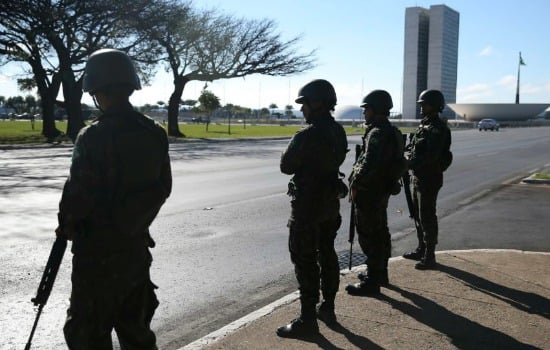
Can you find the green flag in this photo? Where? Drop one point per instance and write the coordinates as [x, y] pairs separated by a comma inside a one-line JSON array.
[[521, 63]]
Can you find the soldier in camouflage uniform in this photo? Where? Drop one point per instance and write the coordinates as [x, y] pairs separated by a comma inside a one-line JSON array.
[[314, 156], [429, 156], [119, 178], [372, 181]]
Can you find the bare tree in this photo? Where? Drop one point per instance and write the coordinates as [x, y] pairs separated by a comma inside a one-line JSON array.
[[206, 46]]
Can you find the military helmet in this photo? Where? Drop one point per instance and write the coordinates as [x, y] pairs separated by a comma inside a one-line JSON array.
[[317, 90], [432, 97], [378, 100], [109, 67]]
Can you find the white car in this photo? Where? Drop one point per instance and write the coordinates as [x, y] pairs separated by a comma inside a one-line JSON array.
[[488, 124]]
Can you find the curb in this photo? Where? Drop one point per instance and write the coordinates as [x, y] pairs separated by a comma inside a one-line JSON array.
[[234, 326]]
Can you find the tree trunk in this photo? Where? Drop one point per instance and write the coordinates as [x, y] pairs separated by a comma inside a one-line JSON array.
[[173, 107], [72, 92], [47, 94], [48, 117]]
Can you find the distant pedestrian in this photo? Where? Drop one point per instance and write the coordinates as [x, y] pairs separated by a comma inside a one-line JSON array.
[[32, 121], [429, 157], [313, 157], [119, 178], [374, 178]]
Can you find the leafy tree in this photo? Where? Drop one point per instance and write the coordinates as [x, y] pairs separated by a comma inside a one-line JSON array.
[[208, 101], [273, 106], [189, 102], [288, 111], [30, 103], [205, 46], [55, 38], [17, 103]]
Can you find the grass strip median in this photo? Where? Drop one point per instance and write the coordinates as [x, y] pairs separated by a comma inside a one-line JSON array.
[[22, 132]]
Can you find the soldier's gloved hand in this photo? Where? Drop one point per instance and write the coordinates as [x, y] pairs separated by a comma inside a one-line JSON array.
[[64, 233]]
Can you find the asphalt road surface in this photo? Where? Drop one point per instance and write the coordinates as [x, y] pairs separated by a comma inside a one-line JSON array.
[[221, 237]]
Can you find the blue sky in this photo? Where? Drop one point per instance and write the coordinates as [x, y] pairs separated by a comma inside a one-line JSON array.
[[360, 48]]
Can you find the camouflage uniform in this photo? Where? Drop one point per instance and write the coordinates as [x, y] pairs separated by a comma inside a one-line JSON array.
[[313, 156], [371, 178], [429, 142], [120, 173]]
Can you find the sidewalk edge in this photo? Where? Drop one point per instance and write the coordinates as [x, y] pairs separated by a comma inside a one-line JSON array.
[[287, 299]]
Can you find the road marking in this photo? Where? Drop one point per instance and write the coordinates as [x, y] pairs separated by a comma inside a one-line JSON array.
[[473, 198], [487, 154]]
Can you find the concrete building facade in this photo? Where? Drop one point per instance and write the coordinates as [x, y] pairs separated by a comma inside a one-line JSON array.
[[430, 55]]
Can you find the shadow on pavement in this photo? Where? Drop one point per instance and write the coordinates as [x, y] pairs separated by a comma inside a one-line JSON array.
[[355, 339], [320, 340], [462, 332], [525, 301]]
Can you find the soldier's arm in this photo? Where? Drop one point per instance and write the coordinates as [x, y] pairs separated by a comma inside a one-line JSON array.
[[369, 161], [432, 150], [166, 175], [79, 192], [292, 157], [166, 171]]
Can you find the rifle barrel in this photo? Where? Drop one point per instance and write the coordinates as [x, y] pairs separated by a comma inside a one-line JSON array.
[[46, 283]]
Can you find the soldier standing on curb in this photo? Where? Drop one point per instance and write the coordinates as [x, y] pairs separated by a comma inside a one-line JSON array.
[[314, 156], [119, 178], [374, 178], [429, 157]]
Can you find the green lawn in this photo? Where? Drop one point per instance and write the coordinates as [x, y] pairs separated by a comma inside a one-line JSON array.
[[541, 176], [20, 131]]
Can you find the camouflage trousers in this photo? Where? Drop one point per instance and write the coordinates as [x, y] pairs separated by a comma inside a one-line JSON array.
[[311, 246], [424, 193], [371, 221], [101, 302]]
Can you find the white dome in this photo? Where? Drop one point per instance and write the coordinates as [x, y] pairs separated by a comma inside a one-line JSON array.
[[348, 112], [498, 111]]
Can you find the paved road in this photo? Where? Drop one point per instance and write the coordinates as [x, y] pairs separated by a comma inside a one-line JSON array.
[[221, 237]]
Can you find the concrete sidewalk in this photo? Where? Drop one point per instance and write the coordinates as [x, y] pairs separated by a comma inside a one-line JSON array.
[[478, 299], [475, 299]]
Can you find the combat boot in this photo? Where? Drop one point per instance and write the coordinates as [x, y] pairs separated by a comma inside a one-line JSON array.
[[299, 328], [382, 278], [325, 312], [302, 326], [428, 260], [416, 254], [368, 287]]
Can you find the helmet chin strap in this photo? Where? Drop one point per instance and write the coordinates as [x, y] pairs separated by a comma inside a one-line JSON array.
[[97, 104]]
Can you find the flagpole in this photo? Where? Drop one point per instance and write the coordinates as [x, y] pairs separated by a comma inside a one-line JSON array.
[[517, 88]]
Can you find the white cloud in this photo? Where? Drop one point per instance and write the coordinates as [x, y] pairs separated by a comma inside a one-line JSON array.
[[531, 89], [507, 81], [487, 51], [474, 92], [503, 90]]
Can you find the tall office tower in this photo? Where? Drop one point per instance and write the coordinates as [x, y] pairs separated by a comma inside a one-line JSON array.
[[430, 56]]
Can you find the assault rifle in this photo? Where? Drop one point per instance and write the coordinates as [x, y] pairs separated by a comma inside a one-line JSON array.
[[46, 283], [413, 214], [352, 215]]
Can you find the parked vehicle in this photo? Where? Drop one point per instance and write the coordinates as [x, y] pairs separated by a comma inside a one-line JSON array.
[[488, 124]]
